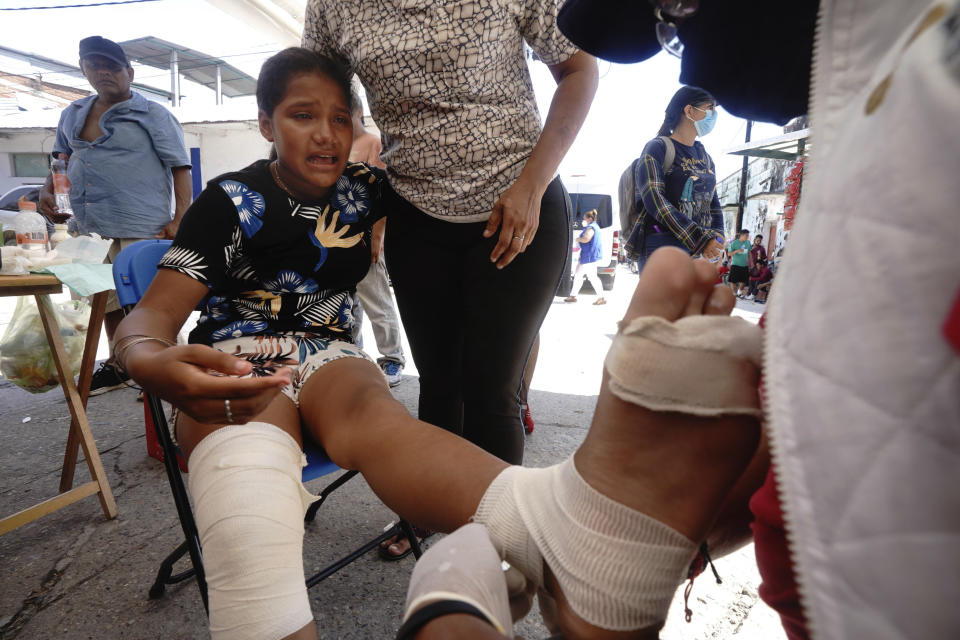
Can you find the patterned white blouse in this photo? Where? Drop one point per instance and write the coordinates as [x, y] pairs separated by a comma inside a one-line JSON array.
[[449, 88]]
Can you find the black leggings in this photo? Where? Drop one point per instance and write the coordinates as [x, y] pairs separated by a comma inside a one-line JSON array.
[[471, 325]]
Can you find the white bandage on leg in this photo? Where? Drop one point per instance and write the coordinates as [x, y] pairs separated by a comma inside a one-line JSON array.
[[617, 567], [701, 365], [249, 504]]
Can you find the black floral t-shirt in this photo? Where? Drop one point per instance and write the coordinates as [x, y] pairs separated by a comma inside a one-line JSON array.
[[274, 264]]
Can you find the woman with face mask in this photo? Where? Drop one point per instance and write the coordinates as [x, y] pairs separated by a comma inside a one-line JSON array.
[[675, 184]]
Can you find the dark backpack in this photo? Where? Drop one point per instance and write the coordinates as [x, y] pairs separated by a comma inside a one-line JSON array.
[[627, 189]]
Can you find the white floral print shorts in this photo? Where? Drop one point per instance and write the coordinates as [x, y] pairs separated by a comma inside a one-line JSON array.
[[303, 353]]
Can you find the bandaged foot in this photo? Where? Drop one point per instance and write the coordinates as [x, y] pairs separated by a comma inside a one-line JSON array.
[[618, 567], [618, 525], [700, 365], [249, 504]]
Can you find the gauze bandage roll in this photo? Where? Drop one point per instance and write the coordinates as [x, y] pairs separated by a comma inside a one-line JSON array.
[[249, 504], [701, 365], [618, 568]]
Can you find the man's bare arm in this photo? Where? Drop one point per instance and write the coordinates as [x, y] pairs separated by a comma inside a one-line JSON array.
[[182, 197]]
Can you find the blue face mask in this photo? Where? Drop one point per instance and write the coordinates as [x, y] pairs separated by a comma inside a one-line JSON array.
[[706, 125]]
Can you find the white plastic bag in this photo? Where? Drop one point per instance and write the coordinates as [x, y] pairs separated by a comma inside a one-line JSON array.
[[25, 357], [12, 262], [90, 249]]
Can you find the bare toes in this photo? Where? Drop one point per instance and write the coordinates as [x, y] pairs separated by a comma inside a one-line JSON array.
[[720, 302], [665, 285], [704, 279]]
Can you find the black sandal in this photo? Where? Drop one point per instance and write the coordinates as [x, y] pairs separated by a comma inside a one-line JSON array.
[[384, 552]]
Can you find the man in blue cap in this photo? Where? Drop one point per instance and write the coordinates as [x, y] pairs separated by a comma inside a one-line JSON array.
[[124, 153]]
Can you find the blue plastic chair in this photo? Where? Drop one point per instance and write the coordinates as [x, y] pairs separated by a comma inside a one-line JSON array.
[[133, 270]]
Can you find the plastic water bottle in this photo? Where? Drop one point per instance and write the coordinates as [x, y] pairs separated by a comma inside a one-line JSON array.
[[31, 228], [61, 185]]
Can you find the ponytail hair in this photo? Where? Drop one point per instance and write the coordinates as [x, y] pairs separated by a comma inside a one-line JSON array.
[[679, 101]]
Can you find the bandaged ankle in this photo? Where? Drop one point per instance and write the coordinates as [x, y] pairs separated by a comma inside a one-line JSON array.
[[618, 568], [249, 504], [701, 365]]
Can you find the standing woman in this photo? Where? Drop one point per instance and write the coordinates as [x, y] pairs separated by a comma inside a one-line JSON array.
[[476, 239], [677, 197], [589, 241]]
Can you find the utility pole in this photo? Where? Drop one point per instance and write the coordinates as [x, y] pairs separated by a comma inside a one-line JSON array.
[[742, 202]]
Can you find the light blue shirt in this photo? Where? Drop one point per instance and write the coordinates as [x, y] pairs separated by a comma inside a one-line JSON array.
[[121, 184]]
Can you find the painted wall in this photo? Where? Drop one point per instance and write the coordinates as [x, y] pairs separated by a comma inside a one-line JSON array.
[[764, 206], [225, 146]]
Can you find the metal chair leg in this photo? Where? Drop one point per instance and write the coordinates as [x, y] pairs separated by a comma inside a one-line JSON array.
[[165, 573], [180, 497], [327, 490]]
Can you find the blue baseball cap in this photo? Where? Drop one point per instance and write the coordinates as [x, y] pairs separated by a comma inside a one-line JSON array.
[[100, 46]]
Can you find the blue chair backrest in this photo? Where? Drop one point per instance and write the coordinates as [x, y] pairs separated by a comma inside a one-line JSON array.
[[134, 269]]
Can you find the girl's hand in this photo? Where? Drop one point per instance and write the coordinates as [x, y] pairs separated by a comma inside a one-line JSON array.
[[517, 213], [187, 377]]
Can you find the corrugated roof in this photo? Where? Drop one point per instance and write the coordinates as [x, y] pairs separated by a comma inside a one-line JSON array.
[[194, 65]]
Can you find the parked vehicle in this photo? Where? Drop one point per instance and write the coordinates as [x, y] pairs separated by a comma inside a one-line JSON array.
[[610, 243], [8, 203]]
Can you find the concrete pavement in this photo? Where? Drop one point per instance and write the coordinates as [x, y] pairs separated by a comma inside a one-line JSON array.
[[73, 574]]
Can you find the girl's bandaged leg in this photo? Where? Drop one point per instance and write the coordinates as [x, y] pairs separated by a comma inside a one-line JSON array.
[[618, 567], [249, 504], [701, 365]]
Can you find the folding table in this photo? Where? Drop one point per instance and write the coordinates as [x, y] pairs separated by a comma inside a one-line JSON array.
[[40, 287]]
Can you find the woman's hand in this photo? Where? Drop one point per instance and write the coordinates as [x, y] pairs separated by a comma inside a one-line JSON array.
[[197, 379], [517, 213], [714, 249]]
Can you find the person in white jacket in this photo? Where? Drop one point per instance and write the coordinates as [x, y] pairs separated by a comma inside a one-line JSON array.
[[862, 368]]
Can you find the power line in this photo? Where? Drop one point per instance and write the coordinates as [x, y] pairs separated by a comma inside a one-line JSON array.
[[74, 6]]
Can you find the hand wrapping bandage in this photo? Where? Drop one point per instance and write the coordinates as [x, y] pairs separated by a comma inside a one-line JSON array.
[[701, 365], [617, 567], [249, 504]]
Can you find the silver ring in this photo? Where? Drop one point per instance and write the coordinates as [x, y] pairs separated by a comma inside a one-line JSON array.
[[518, 237], [226, 409]]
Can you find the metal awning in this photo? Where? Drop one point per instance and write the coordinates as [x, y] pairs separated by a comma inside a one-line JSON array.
[[789, 146], [196, 66]]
